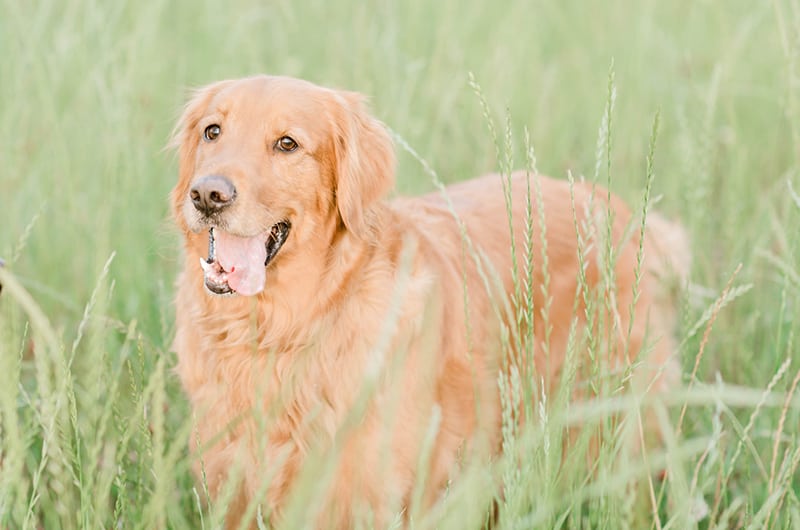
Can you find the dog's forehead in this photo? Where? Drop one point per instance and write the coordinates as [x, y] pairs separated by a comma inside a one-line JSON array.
[[273, 99]]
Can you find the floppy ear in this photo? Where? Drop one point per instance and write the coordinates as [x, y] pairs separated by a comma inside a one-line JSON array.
[[184, 138], [365, 164]]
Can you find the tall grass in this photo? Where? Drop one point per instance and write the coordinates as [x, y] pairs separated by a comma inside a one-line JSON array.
[[93, 426]]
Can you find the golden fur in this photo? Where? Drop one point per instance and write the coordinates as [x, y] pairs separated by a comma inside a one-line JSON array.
[[367, 298]]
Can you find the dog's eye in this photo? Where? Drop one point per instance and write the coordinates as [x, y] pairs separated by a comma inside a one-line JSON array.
[[211, 133], [286, 144]]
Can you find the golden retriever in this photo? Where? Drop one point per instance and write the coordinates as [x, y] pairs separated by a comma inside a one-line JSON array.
[[314, 317]]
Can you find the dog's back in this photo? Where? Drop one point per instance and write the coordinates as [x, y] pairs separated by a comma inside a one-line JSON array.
[[561, 243]]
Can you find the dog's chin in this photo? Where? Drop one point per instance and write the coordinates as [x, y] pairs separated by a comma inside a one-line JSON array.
[[251, 255], [215, 278]]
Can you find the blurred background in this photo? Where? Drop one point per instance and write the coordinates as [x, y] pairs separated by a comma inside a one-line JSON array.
[[90, 91]]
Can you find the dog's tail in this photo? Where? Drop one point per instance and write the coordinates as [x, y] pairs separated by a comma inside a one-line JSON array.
[[668, 258], [667, 263], [666, 268]]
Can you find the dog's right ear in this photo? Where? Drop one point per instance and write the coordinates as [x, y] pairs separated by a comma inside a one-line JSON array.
[[365, 163], [184, 139]]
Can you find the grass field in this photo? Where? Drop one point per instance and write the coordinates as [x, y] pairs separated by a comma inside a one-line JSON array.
[[93, 424]]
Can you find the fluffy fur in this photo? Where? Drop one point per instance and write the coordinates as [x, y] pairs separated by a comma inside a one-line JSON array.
[[361, 335]]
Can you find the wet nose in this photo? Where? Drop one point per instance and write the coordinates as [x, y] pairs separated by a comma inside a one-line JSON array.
[[212, 194]]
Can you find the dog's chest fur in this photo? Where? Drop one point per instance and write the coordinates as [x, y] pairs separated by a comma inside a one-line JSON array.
[[264, 396]]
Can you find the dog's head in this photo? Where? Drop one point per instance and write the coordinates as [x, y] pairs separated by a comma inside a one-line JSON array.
[[267, 163]]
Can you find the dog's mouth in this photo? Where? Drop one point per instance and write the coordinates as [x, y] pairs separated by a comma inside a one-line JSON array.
[[238, 264]]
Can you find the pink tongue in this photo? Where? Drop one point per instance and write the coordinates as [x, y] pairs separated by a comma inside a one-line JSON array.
[[243, 259]]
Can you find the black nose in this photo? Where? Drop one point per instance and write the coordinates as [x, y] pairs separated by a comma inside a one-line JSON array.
[[212, 193]]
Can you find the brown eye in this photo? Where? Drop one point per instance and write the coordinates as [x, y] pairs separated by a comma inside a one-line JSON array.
[[211, 133], [286, 144]]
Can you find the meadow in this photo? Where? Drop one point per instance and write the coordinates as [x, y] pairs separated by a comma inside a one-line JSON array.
[[696, 101]]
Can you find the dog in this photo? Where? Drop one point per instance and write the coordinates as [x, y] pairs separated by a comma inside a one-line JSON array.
[[316, 317]]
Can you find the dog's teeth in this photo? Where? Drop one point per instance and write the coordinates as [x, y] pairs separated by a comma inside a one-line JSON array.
[[207, 266]]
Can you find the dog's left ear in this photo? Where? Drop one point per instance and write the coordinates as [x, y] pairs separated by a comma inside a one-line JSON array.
[[364, 164]]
